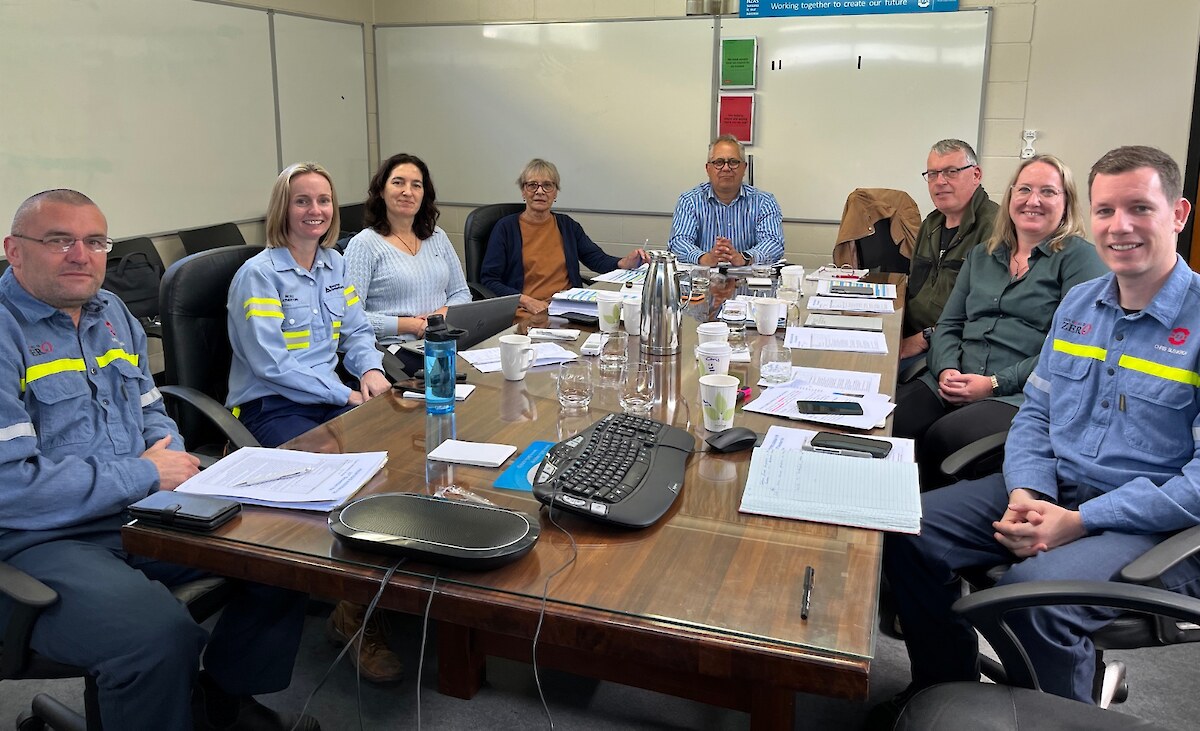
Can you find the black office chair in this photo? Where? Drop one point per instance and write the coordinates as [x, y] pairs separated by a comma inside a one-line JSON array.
[[134, 272], [1019, 704], [879, 252], [351, 216], [29, 597], [476, 232], [211, 237], [196, 348]]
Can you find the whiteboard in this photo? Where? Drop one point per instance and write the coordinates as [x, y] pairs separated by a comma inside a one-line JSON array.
[[623, 108], [161, 110], [322, 82], [826, 125]]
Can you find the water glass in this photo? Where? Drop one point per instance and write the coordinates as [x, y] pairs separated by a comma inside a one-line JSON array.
[[575, 385], [734, 316], [700, 278], [791, 296], [637, 388], [613, 352], [760, 269], [775, 364]]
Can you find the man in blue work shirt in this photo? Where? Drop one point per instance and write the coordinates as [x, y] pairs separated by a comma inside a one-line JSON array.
[[1102, 461], [83, 434], [723, 220]]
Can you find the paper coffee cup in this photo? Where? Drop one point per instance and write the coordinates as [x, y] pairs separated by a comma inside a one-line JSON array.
[[714, 358], [767, 312], [718, 394], [712, 332], [632, 310], [792, 276], [609, 310]]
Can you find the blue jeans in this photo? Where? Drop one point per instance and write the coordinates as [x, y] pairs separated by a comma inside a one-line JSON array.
[[956, 533], [274, 420]]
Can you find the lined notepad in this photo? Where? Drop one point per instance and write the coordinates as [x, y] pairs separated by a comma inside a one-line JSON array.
[[825, 488]]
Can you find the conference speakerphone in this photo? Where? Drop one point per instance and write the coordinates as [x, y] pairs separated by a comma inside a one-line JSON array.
[[435, 530]]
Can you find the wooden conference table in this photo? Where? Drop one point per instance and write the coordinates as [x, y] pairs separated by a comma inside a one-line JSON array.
[[705, 604]]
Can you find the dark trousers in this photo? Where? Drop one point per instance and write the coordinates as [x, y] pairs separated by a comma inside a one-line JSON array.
[[274, 420], [956, 533], [940, 429], [117, 619]]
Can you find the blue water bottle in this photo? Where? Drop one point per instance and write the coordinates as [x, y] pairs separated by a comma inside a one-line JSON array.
[[441, 350]]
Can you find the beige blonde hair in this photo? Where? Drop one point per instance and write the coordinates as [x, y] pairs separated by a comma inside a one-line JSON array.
[[281, 196], [1004, 232]]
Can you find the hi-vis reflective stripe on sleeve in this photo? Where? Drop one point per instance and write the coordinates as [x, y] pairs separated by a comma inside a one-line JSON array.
[[263, 307], [297, 335], [337, 329], [116, 354], [9, 433], [1167, 372], [1039, 383], [1082, 351], [49, 368], [351, 298], [150, 397]]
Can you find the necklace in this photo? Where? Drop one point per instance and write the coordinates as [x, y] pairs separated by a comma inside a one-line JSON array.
[[411, 251], [1018, 268]]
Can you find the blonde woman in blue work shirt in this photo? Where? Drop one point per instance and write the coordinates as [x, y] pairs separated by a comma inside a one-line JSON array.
[[291, 312]]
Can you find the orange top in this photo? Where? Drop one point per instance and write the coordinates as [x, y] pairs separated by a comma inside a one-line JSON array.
[[542, 255]]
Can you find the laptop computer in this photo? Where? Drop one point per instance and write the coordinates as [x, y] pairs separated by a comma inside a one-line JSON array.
[[481, 319]]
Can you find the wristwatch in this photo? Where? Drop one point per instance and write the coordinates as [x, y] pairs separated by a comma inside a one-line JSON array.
[[928, 333], [995, 385]]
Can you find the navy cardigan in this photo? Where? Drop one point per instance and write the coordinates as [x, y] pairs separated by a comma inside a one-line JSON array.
[[503, 269]]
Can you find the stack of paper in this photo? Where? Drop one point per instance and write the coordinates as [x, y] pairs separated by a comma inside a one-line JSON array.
[[821, 338], [841, 383], [576, 299], [865, 493], [487, 360], [479, 454], [850, 304], [461, 392], [283, 478], [781, 401], [621, 276]]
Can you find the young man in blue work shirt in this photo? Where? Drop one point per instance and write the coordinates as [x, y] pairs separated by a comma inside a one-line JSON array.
[[1101, 462], [83, 434]]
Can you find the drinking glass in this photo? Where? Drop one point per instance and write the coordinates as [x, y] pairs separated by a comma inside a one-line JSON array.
[[700, 278], [575, 385], [734, 315], [775, 364], [613, 352], [791, 296], [637, 388]]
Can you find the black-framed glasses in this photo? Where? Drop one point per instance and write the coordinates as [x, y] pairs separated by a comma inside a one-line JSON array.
[[731, 163], [948, 173], [531, 187], [63, 244], [1046, 192]]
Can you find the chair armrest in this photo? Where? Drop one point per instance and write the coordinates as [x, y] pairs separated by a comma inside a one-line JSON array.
[[987, 446], [1154, 563], [29, 597], [913, 370], [393, 367], [237, 434], [480, 292], [986, 610]]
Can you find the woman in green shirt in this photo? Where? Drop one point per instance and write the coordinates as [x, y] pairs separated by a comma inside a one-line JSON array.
[[987, 339]]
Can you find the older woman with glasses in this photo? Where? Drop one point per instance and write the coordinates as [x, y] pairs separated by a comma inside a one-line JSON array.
[[536, 253], [987, 339]]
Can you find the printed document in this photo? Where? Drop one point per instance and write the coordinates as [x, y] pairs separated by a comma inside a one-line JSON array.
[[850, 304], [487, 360], [781, 401], [846, 341]]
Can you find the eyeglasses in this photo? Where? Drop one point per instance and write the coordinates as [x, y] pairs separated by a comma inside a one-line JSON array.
[[531, 187], [1045, 193], [948, 173], [63, 244], [731, 163]]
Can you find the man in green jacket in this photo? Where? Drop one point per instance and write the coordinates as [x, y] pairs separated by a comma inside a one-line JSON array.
[[963, 218]]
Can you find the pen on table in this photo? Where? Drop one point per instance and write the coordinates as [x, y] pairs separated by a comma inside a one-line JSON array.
[[806, 599], [851, 395], [839, 452], [272, 478]]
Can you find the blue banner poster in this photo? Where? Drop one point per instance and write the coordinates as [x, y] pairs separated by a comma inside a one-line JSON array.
[[790, 8]]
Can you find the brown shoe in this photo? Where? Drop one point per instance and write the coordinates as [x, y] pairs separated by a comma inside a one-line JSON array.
[[375, 661]]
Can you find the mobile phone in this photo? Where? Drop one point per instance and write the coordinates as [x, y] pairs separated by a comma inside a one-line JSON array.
[[581, 318], [877, 448], [832, 408], [591, 346]]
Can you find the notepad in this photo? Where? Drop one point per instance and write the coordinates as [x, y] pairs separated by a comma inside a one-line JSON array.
[[479, 454], [461, 392]]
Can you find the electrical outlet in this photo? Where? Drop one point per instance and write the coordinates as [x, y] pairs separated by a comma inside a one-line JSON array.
[[1030, 136]]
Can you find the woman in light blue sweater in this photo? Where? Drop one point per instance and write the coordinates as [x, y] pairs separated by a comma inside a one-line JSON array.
[[402, 264]]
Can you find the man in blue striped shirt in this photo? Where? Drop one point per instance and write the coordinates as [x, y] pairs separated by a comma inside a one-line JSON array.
[[723, 220]]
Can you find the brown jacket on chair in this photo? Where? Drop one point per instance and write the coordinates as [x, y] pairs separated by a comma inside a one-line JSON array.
[[864, 207]]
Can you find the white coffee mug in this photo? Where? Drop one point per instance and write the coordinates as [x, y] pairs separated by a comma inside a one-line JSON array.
[[767, 311], [714, 358], [632, 311], [516, 356], [608, 305]]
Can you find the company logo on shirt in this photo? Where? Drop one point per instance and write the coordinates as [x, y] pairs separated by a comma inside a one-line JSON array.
[[289, 299], [1075, 326], [333, 287], [1179, 336], [45, 348]]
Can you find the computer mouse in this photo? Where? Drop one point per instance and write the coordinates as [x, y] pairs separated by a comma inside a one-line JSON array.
[[734, 439]]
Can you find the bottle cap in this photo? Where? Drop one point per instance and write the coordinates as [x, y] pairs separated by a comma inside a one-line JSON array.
[[438, 331]]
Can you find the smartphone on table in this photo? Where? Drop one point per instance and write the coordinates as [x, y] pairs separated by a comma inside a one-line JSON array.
[[830, 408], [877, 448]]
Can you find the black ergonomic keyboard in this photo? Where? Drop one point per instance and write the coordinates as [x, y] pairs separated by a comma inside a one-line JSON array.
[[624, 470]]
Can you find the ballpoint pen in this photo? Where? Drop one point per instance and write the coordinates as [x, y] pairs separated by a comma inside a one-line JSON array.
[[271, 478], [839, 452], [806, 598]]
